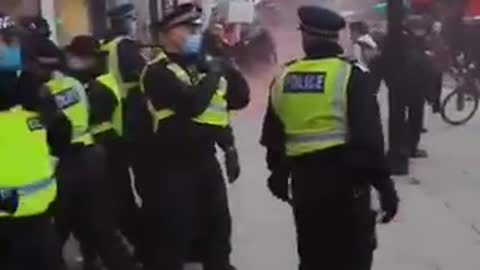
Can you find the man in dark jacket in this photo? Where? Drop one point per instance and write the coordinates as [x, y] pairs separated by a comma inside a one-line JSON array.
[[325, 149]]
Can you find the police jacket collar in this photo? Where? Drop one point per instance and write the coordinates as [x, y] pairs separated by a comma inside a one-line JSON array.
[[324, 50], [180, 59]]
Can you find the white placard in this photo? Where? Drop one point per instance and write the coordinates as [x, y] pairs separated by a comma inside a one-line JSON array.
[[241, 12]]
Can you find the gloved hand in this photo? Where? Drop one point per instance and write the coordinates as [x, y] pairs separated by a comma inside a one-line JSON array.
[[9, 201], [389, 201], [232, 164], [210, 64], [279, 185]]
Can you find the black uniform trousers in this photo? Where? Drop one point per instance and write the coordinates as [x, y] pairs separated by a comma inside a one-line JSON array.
[[181, 206], [335, 224], [398, 131], [126, 210], [415, 114], [85, 208], [29, 243]]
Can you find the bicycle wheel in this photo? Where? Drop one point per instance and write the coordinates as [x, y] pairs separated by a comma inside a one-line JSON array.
[[460, 106]]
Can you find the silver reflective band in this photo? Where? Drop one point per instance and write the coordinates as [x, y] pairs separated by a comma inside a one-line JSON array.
[[339, 110], [29, 189], [217, 108], [317, 137], [80, 134]]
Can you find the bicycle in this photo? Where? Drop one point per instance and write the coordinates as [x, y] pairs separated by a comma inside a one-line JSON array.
[[465, 97]]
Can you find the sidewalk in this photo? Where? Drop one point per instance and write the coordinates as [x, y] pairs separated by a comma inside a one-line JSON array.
[[426, 236]]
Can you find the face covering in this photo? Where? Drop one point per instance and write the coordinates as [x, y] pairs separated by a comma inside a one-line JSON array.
[[193, 45], [75, 63], [10, 59]]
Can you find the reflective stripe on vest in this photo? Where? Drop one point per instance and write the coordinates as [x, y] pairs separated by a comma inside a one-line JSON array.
[[24, 145], [101, 128], [216, 113], [310, 100], [114, 65], [109, 81], [71, 98]]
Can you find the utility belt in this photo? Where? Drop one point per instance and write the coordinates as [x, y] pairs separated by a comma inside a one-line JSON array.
[[10, 197]]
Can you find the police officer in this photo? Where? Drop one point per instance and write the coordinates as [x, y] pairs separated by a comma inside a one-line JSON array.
[[83, 204], [186, 97], [87, 62], [31, 131], [125, 63], [324, 143]]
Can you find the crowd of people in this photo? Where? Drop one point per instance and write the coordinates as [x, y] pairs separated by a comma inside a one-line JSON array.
[[95, 121], [84, 123]]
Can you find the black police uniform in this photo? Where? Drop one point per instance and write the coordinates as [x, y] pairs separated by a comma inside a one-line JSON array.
[[131, 63], [186, 189], [20, 236], [82, 205], [102, 103], [331, 188]]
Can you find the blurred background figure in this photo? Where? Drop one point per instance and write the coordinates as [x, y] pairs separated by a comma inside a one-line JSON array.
[[365, 48]]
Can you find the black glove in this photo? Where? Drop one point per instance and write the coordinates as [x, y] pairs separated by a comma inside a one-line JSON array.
[[388, 200], [279, 185], [9, 201], [232, 164], [210, 64]]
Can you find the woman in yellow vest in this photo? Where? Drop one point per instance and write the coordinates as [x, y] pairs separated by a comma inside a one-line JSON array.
[[32, 130], [84, 201]]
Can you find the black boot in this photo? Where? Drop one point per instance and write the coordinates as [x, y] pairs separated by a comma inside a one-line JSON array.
[[419, 153], [399, 166]]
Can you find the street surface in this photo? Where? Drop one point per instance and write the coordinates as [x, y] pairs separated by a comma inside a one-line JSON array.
[[438, 227]]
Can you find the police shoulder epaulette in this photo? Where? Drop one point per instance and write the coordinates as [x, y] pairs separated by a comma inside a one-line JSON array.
[[347, 59], [354, 62], [291, 62]]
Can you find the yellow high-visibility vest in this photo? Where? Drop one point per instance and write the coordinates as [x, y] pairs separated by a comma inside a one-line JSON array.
[[217, 112], [25, 162], [310, 99], [114, 66], [116, 122], [71, 98]]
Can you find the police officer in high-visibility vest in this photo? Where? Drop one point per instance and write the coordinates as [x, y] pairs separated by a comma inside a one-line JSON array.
[[32, 130], [325, 149], [185, 194], [125, 61], [86, 62], [84, 206]]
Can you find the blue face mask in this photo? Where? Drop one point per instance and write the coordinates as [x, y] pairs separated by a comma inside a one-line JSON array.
[[10, 59], [193, 45]]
